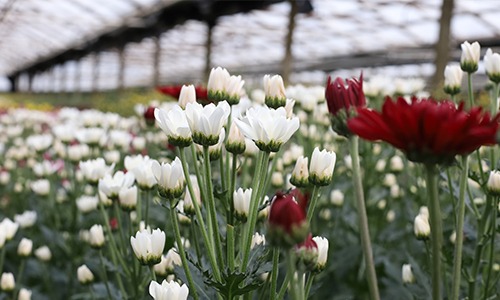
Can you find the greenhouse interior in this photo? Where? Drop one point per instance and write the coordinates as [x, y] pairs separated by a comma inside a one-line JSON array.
[[253, 149]]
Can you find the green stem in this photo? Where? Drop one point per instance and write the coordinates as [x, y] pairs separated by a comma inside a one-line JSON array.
[[212, 213], [492, 246], [284, 285], [2, 257], [436, 229], [121, 226], [153, 274], [92, 294], [115, 254], [20, 274], [309, 284], [199, 216], [312, 204], [363, 220], [471, 93], [182, 253], [232, 189], [457, 265], [105, 275], [146, 212], [230, 247], [274, 272], [290, 264], [481, 235], [260, 167]]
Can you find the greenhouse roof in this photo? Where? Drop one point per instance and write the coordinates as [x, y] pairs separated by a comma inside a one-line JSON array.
[[337, 34]]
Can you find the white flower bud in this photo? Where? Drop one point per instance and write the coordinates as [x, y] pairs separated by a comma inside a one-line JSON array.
[[84, 275], [407, 274], [421, 227], [257, 239], [7, 282], [322, 166], [470, 56], [96, 236], [453, 79], [493, 184], [323, 245], [43, 253], [337, 197], [24, 294], [187, 95], [396, 164], [492, 65], [24, 248], [300, 173]]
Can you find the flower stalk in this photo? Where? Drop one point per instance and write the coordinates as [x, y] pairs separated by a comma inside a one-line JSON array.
[[257, 184], [436, 228], [199, 216], [371, 275], [182, 253], [212, 213], [457, 263], [274, 272]]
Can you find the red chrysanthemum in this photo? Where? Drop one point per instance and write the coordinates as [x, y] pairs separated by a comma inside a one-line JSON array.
[[149, 115], [341, 97], [428, 131]]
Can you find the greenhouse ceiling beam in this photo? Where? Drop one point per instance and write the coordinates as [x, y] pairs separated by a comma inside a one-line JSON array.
[[149, 25]]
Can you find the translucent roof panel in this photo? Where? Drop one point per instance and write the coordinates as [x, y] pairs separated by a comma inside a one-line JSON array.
[[33, 30]]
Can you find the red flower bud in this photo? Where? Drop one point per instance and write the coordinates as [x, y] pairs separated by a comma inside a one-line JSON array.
[[307, 252], [149, 115], [287, 224]]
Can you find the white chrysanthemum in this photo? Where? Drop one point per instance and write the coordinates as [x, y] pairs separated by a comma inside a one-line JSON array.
[[175, 125], [492, 65], [187, 95], [170, 178], [26, 219], [111, 185], [268, 128], [95, 169], [96, 236], [148, 246], [300, 173], [322, 166], [322, 244], [470, 56], [241, 202], [407, 274], [206, 122], [168, 290]]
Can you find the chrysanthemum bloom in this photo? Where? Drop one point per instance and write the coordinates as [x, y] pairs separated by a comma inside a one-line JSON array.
[[322, 166], [187, 95], [492, 66], [95, 169], [168, 290], [148, 247], [170, 178], [268, 128], [43, 253], [112, 185], [24, 248], [421, 227], [235, 140], [426, 130], [287, 223], [175, 125], [8, 228], [206, 122], [341, 97], [168, 263], [7, 282]]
